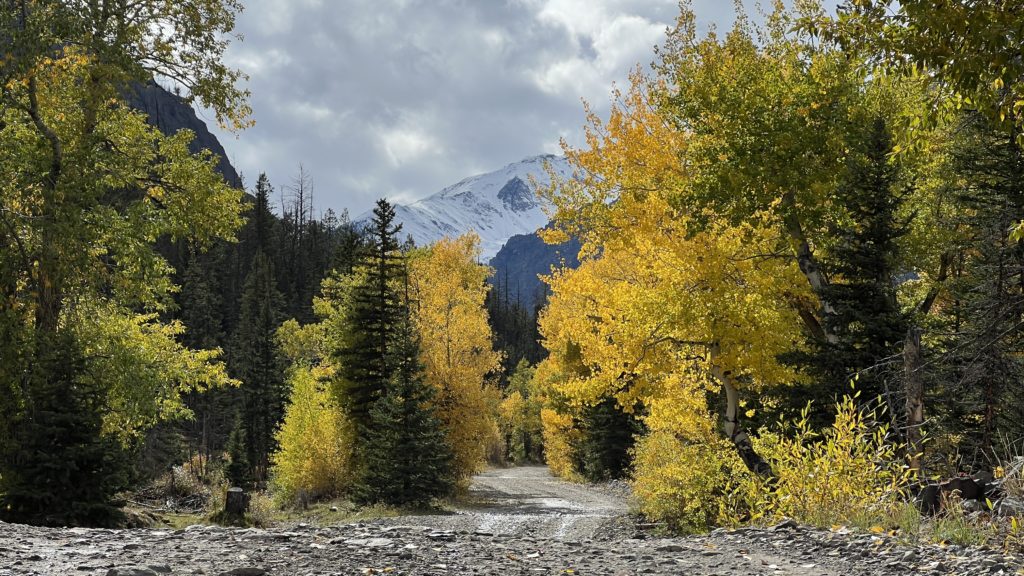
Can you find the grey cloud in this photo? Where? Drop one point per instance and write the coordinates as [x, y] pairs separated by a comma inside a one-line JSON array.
[[403, 97]]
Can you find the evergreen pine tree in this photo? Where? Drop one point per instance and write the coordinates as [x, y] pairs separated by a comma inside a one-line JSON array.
[[201, 304], [263, 219], [239, 470], [255, 361], [59, 469], [979, 360], [365, 364], [406, 460], [609, 433], [515, 329], [348, 244], [861, 266]]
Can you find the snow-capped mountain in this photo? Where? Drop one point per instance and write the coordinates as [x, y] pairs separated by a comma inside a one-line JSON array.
[[496, 205]]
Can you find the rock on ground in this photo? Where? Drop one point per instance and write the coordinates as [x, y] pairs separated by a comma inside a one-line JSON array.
[[518, 521]]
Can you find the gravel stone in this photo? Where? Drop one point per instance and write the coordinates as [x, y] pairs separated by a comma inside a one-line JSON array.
[[518, 521]]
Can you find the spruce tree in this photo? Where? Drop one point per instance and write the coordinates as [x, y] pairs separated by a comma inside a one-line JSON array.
[[201, 302], [255, 361], [365, 364], [862, 270], [59, 469], [978, 360], [239, 470], [609, 434], [406, 460]]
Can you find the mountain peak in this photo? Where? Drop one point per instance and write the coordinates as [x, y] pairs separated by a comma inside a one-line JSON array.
[[517, 196], [496, 205]]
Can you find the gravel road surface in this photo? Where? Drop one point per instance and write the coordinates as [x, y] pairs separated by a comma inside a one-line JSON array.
[[515, 521]]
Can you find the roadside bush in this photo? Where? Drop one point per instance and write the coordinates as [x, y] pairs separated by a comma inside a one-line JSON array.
[[852, 472], [691, 486], [560, 437], [691, 478]]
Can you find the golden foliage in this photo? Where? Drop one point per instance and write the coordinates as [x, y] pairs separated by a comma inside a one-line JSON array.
[[559, 439], [448, 290], [519, 417], [691, 486], [315, 441], [666, 309], [655, 301], [851, 472], [633, 154]]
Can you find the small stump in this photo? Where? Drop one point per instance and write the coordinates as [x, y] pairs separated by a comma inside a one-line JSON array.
[[236, 504]]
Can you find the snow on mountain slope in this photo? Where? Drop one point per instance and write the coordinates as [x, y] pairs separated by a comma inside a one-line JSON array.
[[496, 205]]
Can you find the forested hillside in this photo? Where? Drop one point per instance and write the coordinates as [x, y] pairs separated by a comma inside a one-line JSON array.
[[793, 286]]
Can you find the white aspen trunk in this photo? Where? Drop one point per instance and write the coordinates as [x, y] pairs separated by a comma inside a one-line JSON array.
[[731, 427]]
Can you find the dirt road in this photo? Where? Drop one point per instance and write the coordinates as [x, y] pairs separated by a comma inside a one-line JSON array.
[[516, 521], [529, 501]]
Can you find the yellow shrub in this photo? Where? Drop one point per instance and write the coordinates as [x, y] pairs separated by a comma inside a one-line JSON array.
[[692, 486], [314, 442], [692, 479], [851, 472], [559, 439]]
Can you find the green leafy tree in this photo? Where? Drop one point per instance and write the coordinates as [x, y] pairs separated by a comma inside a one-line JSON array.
[[967, 52], [88, 187], [519, 416], [969, 49]]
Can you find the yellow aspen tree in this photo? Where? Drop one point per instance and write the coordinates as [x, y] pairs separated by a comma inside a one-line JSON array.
[[313, 459], [315, 439], [447, 289], [660, 315], [670, 308], [668, 320]]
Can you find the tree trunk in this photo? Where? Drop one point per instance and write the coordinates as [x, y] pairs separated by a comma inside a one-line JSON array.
[[733, 431], [810, 268], [914, 385], [49, 289]]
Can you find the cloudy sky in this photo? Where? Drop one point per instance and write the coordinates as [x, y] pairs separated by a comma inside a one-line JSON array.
[[401, 98]]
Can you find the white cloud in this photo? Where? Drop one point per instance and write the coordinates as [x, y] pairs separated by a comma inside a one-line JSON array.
[[406, 145]]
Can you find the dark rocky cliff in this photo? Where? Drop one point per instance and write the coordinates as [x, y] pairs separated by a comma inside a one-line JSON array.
[[170, 113], [522, 259]]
